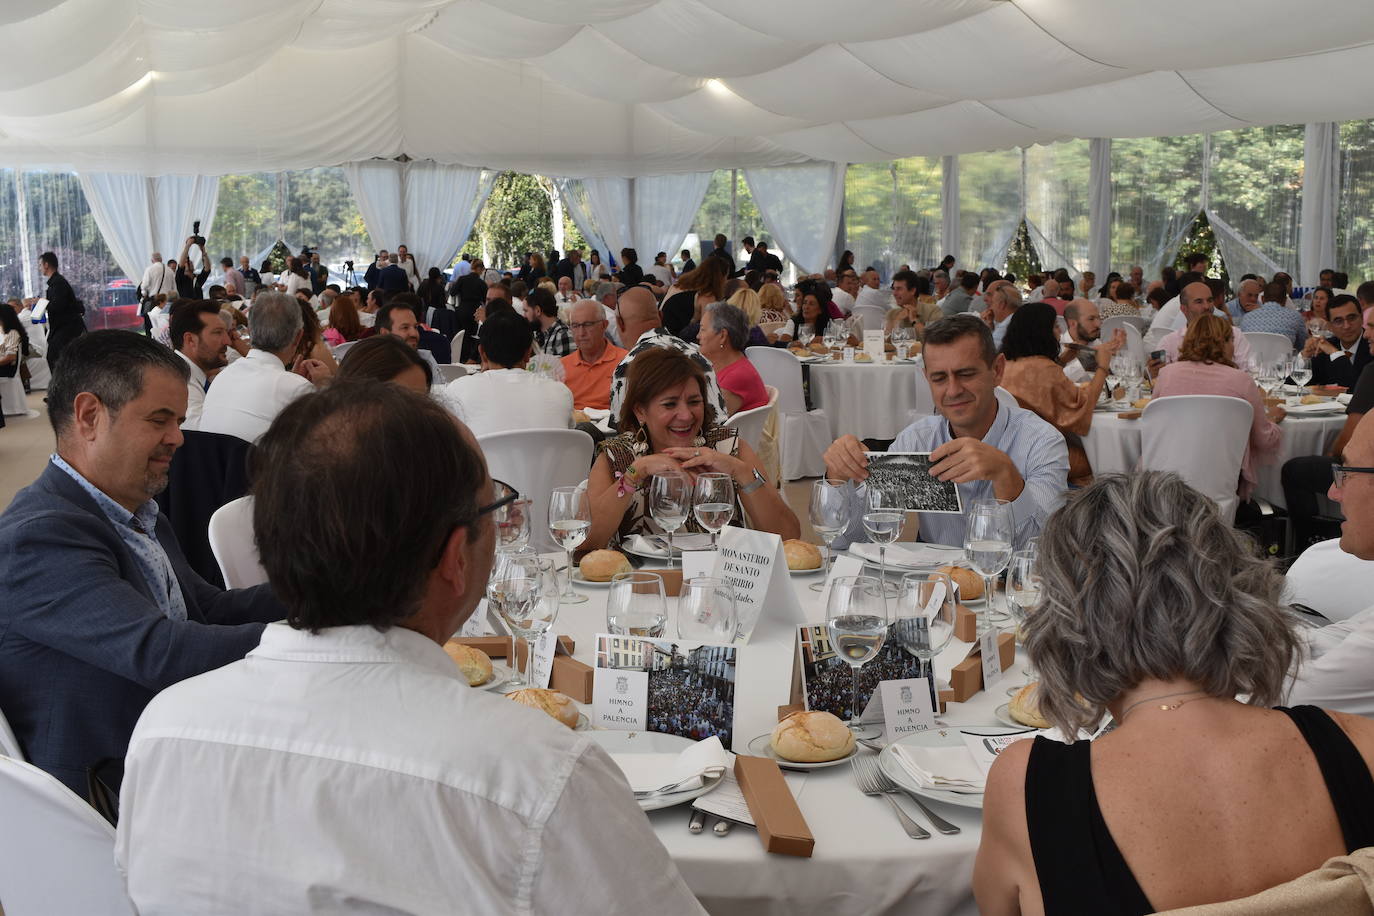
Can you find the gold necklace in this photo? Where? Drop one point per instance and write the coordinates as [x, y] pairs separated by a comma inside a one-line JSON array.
[[1165, 706]]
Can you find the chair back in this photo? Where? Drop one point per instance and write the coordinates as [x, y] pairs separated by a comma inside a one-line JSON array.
[[1135, 343], [871, 317], [9, 745], [1141, 324], [56, 854], [749, 423], [342, 349], [14, 401], [231, 539], [1202, 438], [535, 461], [1154, 336], [1268, 348], [782, 371], [450, 371], [457, 346]]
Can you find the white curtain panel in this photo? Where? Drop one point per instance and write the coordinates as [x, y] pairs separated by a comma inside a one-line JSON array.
[[608, 199], [427, 206], [949, 206], [574, 196], [377, 189], [177, 201], [1057, 191], [1320, 200], [119, 204], [1100, 207], [1156, 195], [665, 206], [801, 206]]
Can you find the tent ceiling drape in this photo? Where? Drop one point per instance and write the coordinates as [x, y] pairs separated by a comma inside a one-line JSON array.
[[599, 88]]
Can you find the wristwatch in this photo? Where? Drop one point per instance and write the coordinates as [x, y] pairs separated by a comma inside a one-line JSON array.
[[753, 485]]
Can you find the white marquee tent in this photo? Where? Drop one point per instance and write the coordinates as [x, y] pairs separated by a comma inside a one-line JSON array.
[[634, 100]]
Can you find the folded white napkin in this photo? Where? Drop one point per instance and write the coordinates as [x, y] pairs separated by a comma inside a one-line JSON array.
[[951, 768], [646, 772], [914, 556], [638, 543]]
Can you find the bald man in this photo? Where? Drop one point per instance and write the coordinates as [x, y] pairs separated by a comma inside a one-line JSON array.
[[637, 320], [1194, 301], [587, 370]]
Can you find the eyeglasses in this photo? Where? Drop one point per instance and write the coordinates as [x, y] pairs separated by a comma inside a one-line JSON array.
[[1345, 319], [586, 325], [497, 486], [1340, 472]]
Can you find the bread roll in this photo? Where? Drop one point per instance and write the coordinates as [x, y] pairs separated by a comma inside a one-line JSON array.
[[1024, 708], [601, 565], [817, 346], [552, 702], [969, 582], [812, 737], [474, 663], [862, 358], [801, 555], [1313, 399], [1140, 403]]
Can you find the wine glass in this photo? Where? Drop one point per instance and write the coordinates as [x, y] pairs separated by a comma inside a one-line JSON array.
[[1023, 593], [1131, 372], [635, 605], [1300, 371], [923, 622], [1316, 327], [714, 502], [524, 591], [706, 610], [1114, 371], [512, 523], [829, 516], [987, 547], [883, 523], [570, 516], [1270, 377], [670, 499], [856, 619], [805, 333]]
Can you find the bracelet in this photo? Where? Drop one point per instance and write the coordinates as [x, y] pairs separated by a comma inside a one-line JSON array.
[[625, 482]]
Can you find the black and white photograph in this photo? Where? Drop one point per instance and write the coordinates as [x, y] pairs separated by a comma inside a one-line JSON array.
[[827, 679], [691, 688], [905, 478]]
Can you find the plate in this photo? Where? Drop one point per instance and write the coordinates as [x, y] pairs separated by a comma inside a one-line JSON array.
[[806, 572], [940, 737], [762, 746], [618, 742], [500, 676], [1329, 408], [1003, 714], [579, 579]]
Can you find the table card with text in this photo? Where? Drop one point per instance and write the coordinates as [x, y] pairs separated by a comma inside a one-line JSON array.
[[754, 563], [906, 707], [992, 659], [542, 651], [664, 685], [620, 699], [873, 343]]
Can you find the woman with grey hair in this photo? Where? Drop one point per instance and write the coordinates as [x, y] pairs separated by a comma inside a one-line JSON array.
[[1153, 608], [722, 338]]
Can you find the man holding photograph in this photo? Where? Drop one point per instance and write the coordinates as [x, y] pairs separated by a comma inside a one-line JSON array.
[[985, 443]]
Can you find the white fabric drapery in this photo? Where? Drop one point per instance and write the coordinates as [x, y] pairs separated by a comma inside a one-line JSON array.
[[1156, 195], [427, 206], [649, 214], [801, 205], [990, 206], [1100, 207], [138, 215], [574, 196], [1320, 201]]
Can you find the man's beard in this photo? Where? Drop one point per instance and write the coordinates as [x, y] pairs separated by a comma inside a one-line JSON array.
[[154, 482]]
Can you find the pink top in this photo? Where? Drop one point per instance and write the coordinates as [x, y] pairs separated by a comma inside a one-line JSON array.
[[1214, 378], [741, 379], [333, 337]]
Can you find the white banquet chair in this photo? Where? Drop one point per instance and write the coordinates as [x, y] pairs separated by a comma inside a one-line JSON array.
[[1153, 337], [1202, 438], [13, 401], [56, 854], [343, 348], [1135, 342], [749, 423], [456, 345], [9, 745], [1329, 580], [231, 541], [449, 371], [805, 434], [871, 317], [534, 461], [1268, 348]]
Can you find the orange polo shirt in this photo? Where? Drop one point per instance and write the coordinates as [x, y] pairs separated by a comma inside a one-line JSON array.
[[590, 383]]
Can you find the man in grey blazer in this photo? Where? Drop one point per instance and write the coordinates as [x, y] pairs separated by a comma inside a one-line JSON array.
[[98, 608]]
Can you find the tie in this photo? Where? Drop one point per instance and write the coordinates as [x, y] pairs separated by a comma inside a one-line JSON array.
[[205, 386]]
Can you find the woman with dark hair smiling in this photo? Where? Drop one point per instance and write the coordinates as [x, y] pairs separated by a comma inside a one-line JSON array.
[[1037, 380]]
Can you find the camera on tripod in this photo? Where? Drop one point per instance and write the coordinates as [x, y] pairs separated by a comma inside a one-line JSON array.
[[348, 265]]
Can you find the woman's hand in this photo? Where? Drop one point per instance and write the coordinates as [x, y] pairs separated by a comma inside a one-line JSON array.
[[704, 460], [659, 463]]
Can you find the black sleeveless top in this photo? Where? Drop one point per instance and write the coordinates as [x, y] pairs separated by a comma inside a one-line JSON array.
[[1079, 866]]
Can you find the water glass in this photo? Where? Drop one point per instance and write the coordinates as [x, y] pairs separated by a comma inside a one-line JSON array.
[[714, 502], [570, 516], [1300, 371], [923, 622], [830, 501], [988, 541], [523, 590], [706, 611], [670, 499], [1023, 594], [883, 523], [635, 605], [856, 620]]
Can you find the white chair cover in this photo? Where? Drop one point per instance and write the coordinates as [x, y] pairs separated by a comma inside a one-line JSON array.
[[805, 434], [231, 541], [1153, 337], [1142, 324], [343, 348], [39, 374], [749, 423], [9, 745], [1269, 348], [1329, 580], [534, 461], [56, 854], [450, 371], [1135, 343], [457, 344], [13, 401], [870, 317], [1201, 437]]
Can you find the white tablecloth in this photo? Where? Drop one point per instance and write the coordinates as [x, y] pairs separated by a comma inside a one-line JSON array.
[[863, 862], [1113, 447], [869, 400]]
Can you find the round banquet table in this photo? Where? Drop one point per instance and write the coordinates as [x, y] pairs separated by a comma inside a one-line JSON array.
[[868, 400], [1113, 447], [862, 862]]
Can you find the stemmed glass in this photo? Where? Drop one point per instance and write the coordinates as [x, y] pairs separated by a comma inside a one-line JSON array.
[[923, 622], [829, 516], [1023, 593], [706, 611], [856, 619], [570, 516], [1316, 327], [987, 547], [883, 524], [1131, 372], [1300, 371], [714, 502], [1271, 375], [805, 333], [512, 522], [524, 590], [636, 606], [1115, 370], [670, 499]]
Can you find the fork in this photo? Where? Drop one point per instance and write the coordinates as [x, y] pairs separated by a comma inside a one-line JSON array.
[[885, 783], [865, 771]]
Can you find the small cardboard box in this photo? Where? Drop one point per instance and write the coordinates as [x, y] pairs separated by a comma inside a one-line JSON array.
[[785, 711], [672, 580], [569, 676], [782, 829], [965, 624], [966, 678], [499, 646]]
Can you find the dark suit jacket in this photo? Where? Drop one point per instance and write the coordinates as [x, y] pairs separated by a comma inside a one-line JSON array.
[[83, 645], [209, 470], [393, 279], [1328, 371], [65, 317]]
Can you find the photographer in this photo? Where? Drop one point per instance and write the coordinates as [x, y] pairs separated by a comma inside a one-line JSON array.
[[319, 274], [375, 268], [191, 279]]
